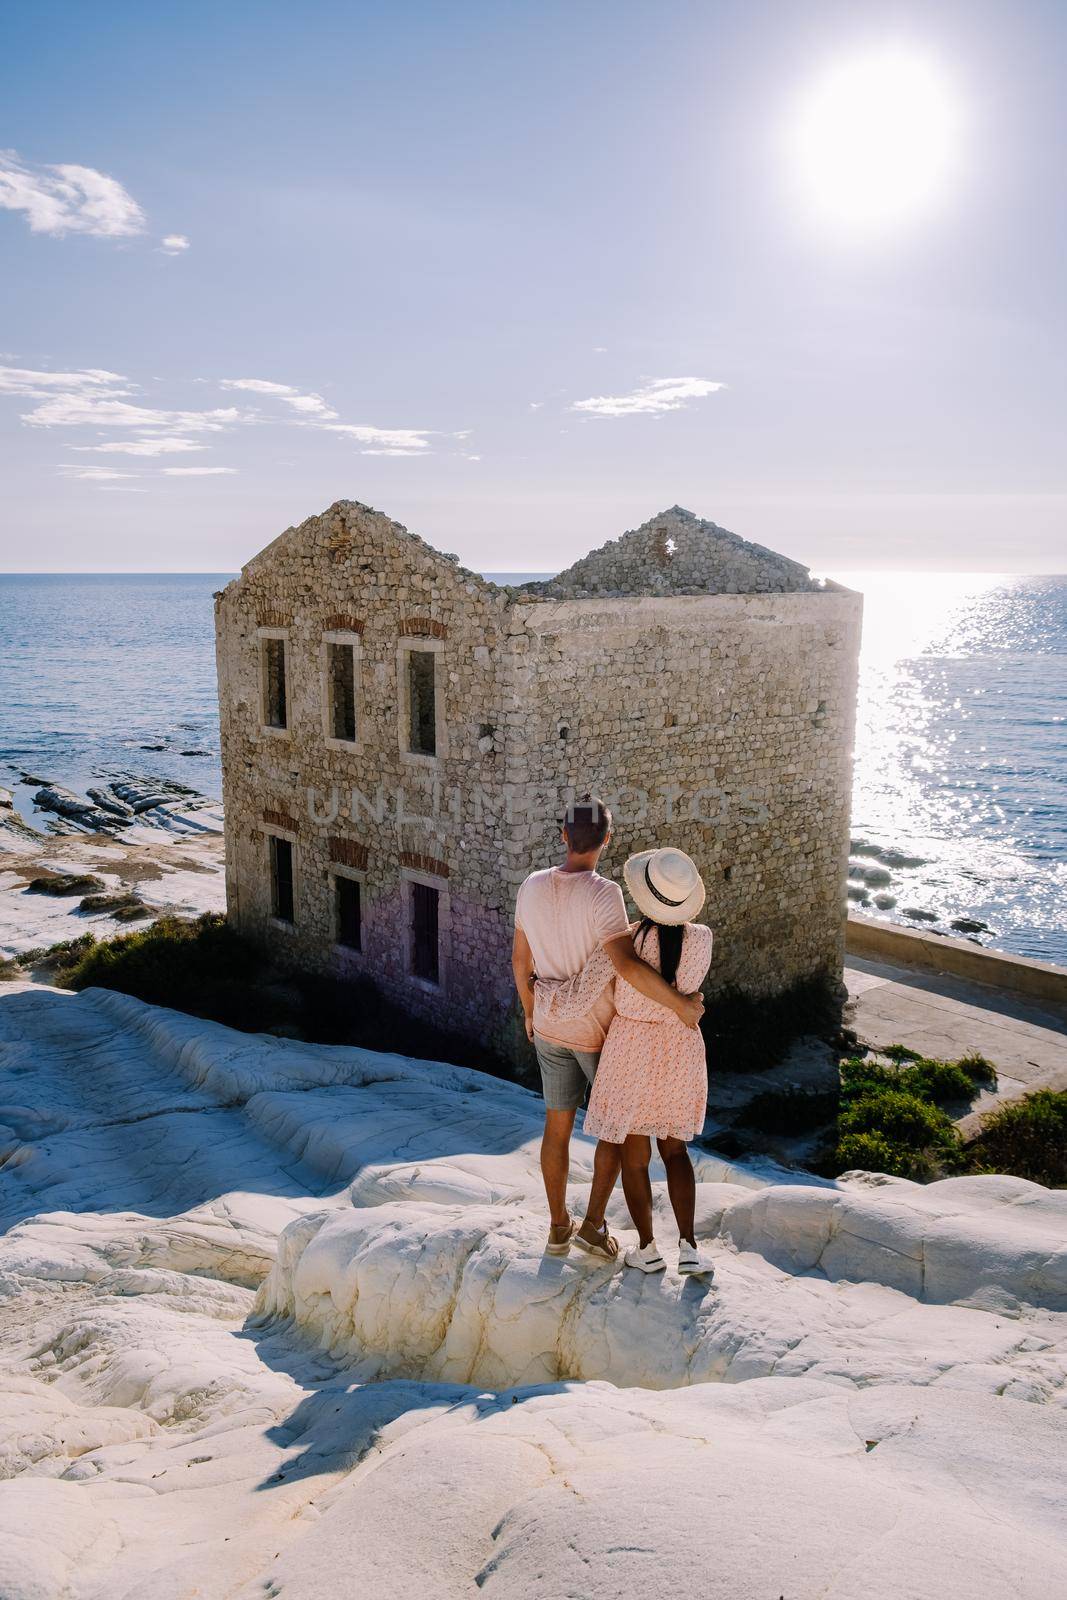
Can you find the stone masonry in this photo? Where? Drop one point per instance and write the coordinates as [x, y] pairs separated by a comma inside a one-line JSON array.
[[704, 686]]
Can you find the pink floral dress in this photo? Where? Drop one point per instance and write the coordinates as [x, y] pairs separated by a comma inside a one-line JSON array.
[[652, 1077]]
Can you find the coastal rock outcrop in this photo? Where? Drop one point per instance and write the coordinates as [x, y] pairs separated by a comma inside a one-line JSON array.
[[264, 1305]]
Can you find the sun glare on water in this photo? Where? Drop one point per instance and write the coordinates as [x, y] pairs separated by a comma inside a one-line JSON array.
[[874, 140]]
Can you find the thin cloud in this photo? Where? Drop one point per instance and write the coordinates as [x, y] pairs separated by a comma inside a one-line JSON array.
[[313, 410], [86, 474], [68, 199], [311, 405], [197, 472], [174, 244], [387, 441], [395, 452], [40, 385], [165, 445], [94, 397], [256, 386], [652, 399], [81, 410]]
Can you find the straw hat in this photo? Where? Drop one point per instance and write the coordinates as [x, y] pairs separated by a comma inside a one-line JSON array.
[[664, 885]]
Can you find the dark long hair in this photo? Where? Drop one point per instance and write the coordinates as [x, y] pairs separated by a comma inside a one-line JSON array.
[[671, 935]]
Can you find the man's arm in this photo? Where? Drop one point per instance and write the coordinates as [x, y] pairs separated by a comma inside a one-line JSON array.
[[522, 965], [647, 981]]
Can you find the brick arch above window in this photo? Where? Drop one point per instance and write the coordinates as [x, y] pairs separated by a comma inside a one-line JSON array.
[[423, 628], [348, 852], [278, 819], [418, 861]]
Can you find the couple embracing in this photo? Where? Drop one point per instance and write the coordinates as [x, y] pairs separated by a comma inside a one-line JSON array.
[[616, 1005]]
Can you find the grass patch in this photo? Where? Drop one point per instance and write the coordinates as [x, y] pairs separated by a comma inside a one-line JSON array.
[[65, 883], [124, 907], [900, 1052], [202, 967], [49, 957], [979, 1069], [1028, 1137]]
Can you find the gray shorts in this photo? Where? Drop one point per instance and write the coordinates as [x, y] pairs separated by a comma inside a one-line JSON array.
[[565, 1073]]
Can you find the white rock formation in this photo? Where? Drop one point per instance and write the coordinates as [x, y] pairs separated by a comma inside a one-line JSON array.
[[405, 1397]]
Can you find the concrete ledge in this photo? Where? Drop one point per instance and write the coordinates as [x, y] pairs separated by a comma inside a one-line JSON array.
[[910, 947]]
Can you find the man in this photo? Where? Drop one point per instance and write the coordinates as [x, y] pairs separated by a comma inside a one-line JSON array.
[[562, 916]]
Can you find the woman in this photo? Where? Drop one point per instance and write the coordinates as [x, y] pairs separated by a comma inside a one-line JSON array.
[[652, 1082]]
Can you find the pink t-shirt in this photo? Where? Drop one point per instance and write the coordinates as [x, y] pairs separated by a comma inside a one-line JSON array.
[[565, 917]]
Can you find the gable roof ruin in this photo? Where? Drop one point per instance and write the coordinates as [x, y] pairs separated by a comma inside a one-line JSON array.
[[673, 553], [676, 553]]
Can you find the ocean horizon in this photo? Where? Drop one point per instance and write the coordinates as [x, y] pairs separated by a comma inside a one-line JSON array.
[[960, 759]]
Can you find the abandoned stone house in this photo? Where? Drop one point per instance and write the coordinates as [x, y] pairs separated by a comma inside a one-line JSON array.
[[400, 738]]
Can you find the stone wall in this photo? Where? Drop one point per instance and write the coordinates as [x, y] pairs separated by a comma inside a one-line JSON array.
[[721, 724], [677, 553], [718, 722], [353, 571]]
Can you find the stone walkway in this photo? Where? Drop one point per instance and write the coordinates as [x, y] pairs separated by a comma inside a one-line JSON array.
[[948, 1017]]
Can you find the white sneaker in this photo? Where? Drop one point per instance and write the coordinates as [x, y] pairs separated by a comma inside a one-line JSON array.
[[645, 1258], [693, 1261]]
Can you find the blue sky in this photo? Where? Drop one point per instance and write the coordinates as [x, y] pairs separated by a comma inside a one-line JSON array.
[[521, 275]]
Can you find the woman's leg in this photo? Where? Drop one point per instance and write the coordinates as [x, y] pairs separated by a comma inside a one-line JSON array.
[[681, 1185], [636, 1155]]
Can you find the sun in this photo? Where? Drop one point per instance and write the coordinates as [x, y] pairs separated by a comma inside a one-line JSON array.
[[874, 140]]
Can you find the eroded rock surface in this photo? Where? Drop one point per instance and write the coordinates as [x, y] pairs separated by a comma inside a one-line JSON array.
[[404, 1396]]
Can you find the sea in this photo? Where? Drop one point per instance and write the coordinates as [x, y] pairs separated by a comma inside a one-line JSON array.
[[961, 746]]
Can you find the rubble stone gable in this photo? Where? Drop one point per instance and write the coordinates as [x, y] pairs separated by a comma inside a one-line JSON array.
[[355, 540], [675, 553]]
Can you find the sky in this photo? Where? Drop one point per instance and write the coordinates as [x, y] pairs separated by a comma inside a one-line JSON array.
[[523, 274]]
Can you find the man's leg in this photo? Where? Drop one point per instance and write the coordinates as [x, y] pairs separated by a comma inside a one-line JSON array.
[[556, 1161], [607, 1164], [563, 1085]]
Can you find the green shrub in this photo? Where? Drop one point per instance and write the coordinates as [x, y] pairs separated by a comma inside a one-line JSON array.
[[978, 1069], [860, 1076], [900, 1052], [903, 1118], [873, 1152], [887, 1127], [1027, 1137], [202, 967], [942, 1082]]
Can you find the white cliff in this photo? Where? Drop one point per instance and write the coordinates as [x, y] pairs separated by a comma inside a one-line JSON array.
[[275, 1320]]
